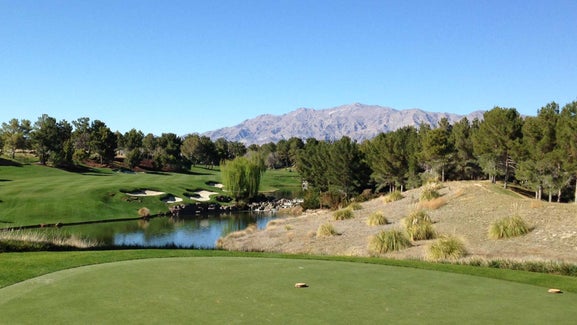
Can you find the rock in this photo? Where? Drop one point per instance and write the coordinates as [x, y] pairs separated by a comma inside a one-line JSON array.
[[301, 285], [554, 291]]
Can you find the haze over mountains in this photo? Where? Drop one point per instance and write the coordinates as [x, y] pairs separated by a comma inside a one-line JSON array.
[[357, 121]]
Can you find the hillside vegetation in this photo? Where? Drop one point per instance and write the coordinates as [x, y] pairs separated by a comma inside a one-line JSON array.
[[465, 210]]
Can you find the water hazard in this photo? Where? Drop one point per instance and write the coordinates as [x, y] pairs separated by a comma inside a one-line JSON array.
[[184, 231]]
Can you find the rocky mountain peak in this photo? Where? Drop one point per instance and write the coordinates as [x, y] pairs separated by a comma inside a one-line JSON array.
[[357, 121]]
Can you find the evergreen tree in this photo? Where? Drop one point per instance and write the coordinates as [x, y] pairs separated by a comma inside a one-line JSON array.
[[567, 139], [437, 147], [103, 141], [313, 164], [466, 166], [541, 164], [497, 140], [44, 136], [81, 139], [347, 171]]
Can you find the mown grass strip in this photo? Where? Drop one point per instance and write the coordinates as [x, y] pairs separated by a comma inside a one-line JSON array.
[[22, 266]]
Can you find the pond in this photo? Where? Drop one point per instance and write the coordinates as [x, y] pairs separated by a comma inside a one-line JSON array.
[[183, 232]]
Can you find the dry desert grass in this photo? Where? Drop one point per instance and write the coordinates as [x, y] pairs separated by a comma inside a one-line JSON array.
[[467, 211]]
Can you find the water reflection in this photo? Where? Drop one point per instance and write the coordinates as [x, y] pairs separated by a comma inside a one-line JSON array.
[[185, 231]]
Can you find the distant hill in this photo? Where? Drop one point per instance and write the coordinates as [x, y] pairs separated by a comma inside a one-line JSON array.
[[356, 121]]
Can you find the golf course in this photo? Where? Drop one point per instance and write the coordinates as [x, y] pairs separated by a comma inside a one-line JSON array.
[[214, 286]]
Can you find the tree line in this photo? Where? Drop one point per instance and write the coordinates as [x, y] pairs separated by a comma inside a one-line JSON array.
[[537, 152], [64, 144]]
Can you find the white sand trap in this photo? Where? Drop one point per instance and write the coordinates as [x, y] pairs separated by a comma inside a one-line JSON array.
[[172, 199], [145, 193], [217, 185], [204, 196]]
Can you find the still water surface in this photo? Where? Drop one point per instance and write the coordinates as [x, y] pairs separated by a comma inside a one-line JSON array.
[[185, 231]]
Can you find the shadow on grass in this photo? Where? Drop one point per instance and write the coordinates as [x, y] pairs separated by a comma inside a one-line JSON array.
[[152, 172], [10, 163], [85, 170]]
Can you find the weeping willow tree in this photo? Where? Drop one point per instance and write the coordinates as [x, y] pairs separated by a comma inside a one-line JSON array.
[[241, 176]]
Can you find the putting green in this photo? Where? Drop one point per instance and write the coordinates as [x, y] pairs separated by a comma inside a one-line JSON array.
[[261, 290]]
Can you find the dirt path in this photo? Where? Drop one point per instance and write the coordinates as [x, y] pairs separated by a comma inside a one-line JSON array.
[[469, 210]]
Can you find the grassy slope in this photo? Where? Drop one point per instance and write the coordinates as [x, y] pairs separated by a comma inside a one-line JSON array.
[[229, 290], [33, 194]]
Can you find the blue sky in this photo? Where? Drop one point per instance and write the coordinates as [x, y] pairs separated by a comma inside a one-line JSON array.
[[193, 66]]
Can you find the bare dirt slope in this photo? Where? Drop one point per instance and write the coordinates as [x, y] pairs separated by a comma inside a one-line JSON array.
[[469, 210]]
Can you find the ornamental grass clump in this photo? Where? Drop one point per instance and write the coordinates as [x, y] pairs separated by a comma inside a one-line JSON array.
[[144, 212], [393, 196], [433, 204], [355, 206], [419, 226], [326, 230], [377, 219], [30, 240], [388, 241], [429, 193], [343, 214], [447, 248], [508, 227]]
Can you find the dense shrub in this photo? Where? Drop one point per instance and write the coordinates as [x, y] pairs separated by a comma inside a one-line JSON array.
[[388, 241], [343, 214], [365, 195], [447, 248], [377, 219], [311, 200], [419, 226], [332, 200], [508, 227]]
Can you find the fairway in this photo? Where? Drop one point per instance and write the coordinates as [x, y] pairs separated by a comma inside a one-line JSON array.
[[261, 290]]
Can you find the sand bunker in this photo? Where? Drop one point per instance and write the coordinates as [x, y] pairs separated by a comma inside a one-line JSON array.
[[204, 196], [217, 185], [172, 199], [145, 193]]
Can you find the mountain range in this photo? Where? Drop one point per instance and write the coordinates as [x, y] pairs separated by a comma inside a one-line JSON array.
[[357, 121]]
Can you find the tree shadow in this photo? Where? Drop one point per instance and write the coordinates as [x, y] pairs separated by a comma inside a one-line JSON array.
[[10, 163], [84, 170], [157, 173]]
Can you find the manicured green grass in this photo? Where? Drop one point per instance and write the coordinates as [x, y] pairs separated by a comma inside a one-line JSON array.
[[286, 181], [33, 194], [228, 289]]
